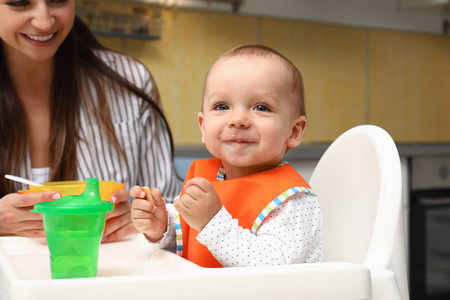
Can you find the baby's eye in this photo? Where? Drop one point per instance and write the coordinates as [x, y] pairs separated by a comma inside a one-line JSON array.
[[261, 107], [221, 106]]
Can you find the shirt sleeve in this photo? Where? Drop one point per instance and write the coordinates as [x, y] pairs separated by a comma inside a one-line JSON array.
[[290, 234], [168, 240]]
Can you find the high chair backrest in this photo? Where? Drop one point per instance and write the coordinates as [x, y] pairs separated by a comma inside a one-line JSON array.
[[358, 183]]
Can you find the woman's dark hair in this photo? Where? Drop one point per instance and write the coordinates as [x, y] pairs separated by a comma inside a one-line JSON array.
[[76, 67]]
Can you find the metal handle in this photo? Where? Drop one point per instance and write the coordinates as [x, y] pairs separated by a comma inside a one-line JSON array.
[[435, 202]]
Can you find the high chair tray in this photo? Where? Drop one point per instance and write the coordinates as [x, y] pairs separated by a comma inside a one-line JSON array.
[[132, 268]]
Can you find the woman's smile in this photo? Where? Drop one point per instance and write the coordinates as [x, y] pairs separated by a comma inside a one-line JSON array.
[[40, 38]]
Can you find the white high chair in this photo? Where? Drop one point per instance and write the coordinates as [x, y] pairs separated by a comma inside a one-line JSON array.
[[358, 182]]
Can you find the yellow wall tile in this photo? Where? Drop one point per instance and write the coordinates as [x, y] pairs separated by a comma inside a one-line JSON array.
[[332, 60], [409, 85]]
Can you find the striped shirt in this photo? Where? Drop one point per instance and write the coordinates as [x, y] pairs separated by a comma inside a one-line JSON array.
[[140, 132]]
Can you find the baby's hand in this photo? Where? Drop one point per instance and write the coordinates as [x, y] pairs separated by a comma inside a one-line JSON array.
[[199, 204], [149, 217]]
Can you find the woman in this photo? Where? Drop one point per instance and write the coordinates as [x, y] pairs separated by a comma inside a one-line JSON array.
[[71, 109]]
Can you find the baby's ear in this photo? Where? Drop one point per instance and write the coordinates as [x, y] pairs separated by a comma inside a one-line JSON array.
[[200, 124], [297, 130]]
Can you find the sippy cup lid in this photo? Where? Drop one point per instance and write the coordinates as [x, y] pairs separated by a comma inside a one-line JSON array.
[[87, 203]]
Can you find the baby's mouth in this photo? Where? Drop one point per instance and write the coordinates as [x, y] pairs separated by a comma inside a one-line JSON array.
[[40, 38]]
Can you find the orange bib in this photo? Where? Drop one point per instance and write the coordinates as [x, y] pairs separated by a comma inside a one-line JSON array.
[[248, 199]]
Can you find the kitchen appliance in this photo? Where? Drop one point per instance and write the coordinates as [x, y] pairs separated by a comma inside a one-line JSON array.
[[429, 234]]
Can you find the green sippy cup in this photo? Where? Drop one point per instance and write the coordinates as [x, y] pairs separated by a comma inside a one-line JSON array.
[[74, 226]]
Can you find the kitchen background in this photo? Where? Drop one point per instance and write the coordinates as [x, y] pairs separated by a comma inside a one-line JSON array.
[[394, 77], [381, 62]]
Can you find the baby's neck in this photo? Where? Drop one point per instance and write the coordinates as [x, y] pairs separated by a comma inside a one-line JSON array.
[[233, 172]]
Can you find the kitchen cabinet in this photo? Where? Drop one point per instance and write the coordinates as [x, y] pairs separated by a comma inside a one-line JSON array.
[[408, 90], [396, 80]]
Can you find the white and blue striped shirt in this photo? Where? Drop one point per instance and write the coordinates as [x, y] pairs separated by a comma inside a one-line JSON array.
[[140, 132]]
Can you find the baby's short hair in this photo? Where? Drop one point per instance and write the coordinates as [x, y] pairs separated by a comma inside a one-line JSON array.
[[264, 51]]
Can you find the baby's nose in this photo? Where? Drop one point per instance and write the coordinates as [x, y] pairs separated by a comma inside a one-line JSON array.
[[239, 119]]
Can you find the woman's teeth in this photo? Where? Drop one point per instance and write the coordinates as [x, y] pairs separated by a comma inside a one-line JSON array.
[[40, 38]]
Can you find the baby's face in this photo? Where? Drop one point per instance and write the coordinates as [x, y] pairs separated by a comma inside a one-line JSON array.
[[249, 117]]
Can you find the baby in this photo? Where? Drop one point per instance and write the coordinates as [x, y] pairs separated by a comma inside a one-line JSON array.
[[247, 206]]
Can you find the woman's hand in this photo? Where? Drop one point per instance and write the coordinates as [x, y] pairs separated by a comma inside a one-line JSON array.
[[118, 222], [199, 204], [148, 217], [16, 218]]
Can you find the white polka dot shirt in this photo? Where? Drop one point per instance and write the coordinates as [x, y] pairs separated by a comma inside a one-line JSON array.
[[290, 234]]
